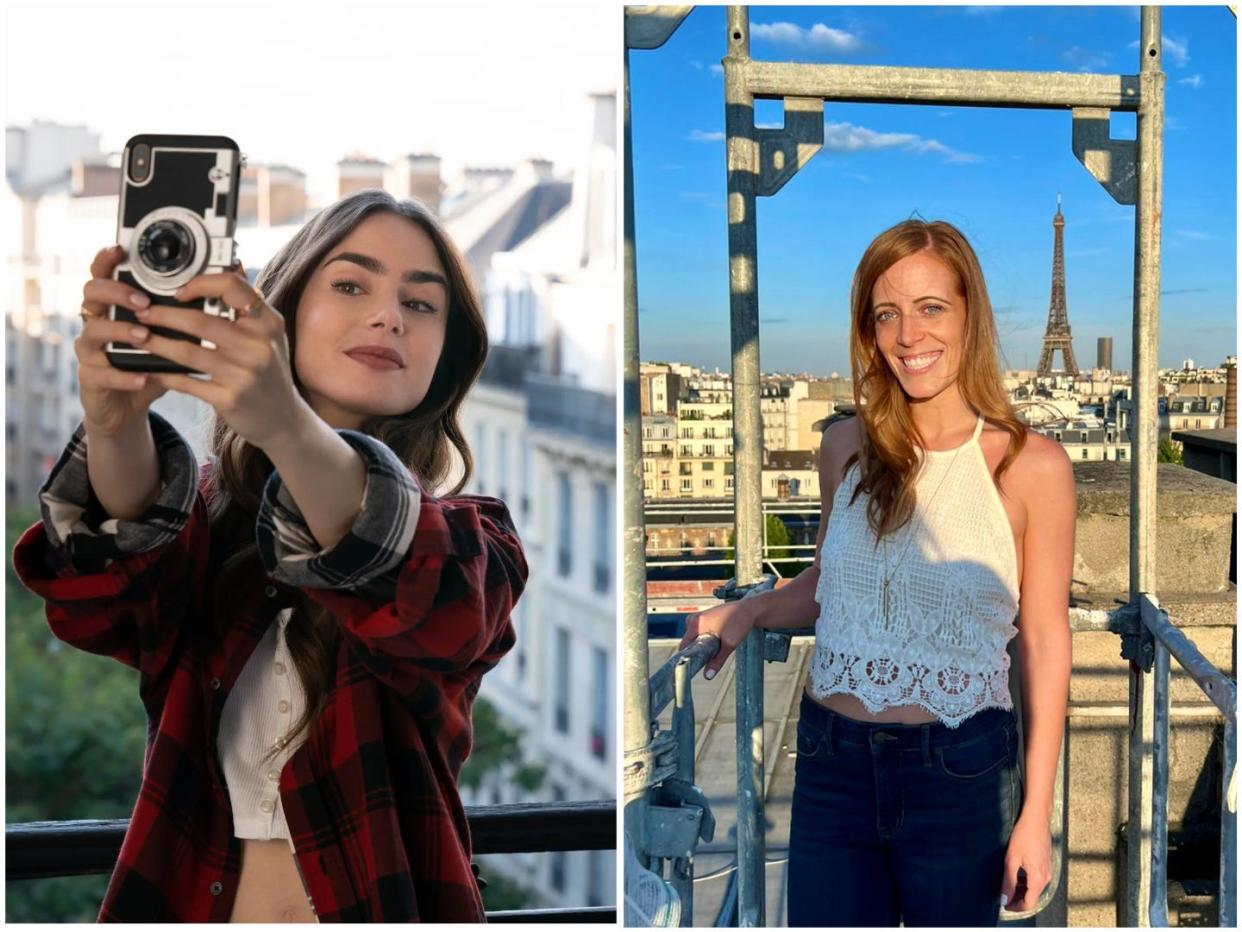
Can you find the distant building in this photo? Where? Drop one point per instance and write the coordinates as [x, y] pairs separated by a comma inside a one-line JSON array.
[[357, 172], [1104, 353], [1088, 439], [542, 427]]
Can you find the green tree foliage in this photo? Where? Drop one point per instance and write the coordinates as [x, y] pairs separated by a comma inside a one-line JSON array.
[[1169, 452], [778, 551], [500, 892], [496, 758], [74, 738]]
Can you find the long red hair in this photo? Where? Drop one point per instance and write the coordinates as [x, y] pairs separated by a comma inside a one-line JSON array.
[[887, 455]]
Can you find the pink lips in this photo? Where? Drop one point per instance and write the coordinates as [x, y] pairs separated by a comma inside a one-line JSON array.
[[375, 357]]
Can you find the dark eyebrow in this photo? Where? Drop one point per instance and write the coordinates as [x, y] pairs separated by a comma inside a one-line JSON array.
[[415, 276], [916, 301]]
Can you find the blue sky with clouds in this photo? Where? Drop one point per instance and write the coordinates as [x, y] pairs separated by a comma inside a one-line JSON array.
[[995, 173]]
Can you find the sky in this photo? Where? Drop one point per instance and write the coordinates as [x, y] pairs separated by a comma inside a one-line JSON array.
[[994, 173], [306, 83]]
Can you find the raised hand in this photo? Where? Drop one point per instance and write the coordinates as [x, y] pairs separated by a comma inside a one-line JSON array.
[[250, 380], [111, 398]]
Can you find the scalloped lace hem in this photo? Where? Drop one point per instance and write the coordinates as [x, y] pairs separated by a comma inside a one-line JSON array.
[[951, 694]]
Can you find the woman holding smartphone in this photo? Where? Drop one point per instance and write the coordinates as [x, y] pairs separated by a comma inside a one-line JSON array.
[[944, 524], [309, 621]]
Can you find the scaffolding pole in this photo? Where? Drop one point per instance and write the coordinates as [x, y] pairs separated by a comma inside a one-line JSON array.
[[1146, 339], [637, 731], [742, 166]]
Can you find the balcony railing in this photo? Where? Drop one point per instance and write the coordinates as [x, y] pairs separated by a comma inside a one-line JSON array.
[[560, 406], [35, 850]]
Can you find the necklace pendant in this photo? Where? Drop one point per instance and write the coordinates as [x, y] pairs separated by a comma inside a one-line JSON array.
[[884, 596]]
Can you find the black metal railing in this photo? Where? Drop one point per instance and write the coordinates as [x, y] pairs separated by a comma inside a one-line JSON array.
[[35, 850]]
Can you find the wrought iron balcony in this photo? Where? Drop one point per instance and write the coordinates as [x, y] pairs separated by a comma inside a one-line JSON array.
[[62, 849]]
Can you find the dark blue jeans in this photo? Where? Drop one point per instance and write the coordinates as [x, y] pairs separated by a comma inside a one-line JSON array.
[[901, 823]]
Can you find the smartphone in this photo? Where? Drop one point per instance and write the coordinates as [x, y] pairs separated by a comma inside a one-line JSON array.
[[175, 220]]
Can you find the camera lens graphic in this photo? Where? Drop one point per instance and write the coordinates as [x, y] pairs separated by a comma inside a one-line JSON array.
[[166, 247]]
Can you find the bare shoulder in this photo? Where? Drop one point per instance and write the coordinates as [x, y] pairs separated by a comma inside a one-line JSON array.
[[841, 440], [1042, 471]]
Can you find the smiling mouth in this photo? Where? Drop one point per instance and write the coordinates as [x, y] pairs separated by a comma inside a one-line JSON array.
[[920, 363], [374, 360]]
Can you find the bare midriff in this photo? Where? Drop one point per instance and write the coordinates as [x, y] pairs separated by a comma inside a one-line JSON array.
[[852, 707], [270, 888]]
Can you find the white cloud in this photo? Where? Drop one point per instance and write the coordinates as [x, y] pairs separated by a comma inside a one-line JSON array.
[[716, 69], [1194, 234], [1195, 81], [845, 137], [1085, 59], [819, 38], [699, 135], [1177, 49]]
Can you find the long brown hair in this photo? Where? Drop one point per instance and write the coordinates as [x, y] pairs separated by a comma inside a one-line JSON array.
[[424, 438], [887, 456]]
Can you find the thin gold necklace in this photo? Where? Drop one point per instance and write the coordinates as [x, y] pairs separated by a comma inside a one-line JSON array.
[[888, 575]]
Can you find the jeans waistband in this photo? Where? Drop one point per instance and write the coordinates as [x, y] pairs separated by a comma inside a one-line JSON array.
[[924, 735]]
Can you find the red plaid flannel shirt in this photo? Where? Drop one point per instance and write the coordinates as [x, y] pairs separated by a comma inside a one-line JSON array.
[[370, 798]]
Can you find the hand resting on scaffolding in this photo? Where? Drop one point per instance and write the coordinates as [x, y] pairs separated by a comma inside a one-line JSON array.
[[792, 605]]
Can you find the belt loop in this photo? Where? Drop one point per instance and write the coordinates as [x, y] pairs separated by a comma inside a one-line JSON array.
[[828, 730], [925, 732]]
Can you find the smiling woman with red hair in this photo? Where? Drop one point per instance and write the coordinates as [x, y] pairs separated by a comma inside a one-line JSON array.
[[946, 529]]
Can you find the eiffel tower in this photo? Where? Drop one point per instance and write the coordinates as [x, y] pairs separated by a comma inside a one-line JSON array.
[[1057, 336]]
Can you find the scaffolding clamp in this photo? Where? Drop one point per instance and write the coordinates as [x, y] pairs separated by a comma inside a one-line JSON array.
[[650, 764], [677, 818], [1138, 644], [731, 591]]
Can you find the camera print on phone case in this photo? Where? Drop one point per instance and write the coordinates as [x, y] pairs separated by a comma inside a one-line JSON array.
[[176, 220]]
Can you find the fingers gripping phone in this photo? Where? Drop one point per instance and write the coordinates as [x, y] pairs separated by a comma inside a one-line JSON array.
[[175, 220]]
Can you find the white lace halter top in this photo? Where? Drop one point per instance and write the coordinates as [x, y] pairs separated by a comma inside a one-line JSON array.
[[952, 595]]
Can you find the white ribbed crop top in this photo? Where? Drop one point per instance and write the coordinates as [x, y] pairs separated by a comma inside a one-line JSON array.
[[953, 595], [266, 701]]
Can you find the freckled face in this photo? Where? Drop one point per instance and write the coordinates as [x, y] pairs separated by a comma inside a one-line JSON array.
[[920, 323], [371, 323]]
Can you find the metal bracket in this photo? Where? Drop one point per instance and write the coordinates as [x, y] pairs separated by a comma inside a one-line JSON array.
[[731, 591], [1138, 644], [677, 818], [1111, 162], [783, 151], [648, 27], [776, 646], [650, 764]]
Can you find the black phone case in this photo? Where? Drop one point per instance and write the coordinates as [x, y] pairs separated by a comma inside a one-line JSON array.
[[197, 174]]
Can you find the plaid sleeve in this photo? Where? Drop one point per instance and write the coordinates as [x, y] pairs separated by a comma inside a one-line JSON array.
[[419, 583], [83, 538], [364, 560], [122, 589]]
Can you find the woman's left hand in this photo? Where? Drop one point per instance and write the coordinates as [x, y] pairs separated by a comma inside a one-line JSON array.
[[1030, 848], [251, 384]]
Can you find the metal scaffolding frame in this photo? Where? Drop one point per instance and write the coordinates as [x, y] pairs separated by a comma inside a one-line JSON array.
[[665, 814]]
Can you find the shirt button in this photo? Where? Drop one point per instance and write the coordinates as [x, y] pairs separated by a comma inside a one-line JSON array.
[[217, 888], [283, 706], [270, 592], [279, 668], [215, 682], [274, 776], [267, 805]]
